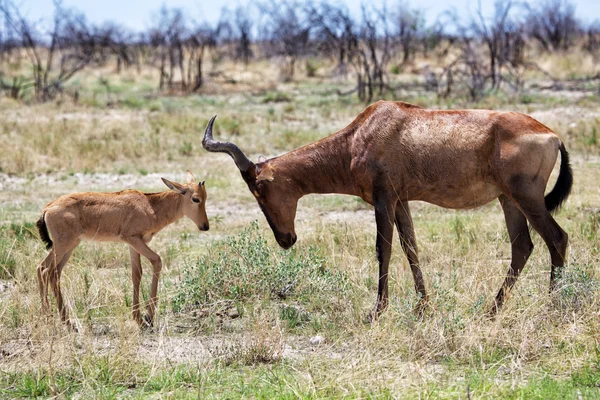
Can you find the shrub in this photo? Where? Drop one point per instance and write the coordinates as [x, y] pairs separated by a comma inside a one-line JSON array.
[[311, 68], [576, 287], [245, 266], [276, 97]]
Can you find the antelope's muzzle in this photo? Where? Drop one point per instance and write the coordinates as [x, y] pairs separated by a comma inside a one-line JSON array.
[[286, 240]]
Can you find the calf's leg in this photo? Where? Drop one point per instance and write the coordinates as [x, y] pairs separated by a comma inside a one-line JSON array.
[[136, 276], [140, 246]]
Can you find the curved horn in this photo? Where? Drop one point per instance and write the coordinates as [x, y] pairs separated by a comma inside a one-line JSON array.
[[240, 159]]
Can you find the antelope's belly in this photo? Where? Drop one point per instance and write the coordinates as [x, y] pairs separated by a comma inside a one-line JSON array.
[[458, 197]]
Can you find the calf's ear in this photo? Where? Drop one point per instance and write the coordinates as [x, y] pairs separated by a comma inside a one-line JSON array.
[[177, 187], [190, 177]]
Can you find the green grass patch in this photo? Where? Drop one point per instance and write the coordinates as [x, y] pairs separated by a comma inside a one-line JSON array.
[[245, 266]]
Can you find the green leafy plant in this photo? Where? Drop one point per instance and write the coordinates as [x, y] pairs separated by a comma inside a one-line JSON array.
[[245, 266]]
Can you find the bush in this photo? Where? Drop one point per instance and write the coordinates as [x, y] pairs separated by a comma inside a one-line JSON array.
[[576, 287], [245, 266], [311, 68], [276, 97], [11, 235]]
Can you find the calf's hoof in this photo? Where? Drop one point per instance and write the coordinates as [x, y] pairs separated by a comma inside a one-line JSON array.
[[71, 326]]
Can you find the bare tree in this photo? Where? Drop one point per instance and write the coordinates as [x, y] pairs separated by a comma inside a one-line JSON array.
[[375, 52], [201, 38], [334, 33], [501, 37], [166, 39], [56, 55], [179, 48], [409, 24], [242, 23], [553, 24], [118, 42], [491, 52], [592, 43], [285, 33]]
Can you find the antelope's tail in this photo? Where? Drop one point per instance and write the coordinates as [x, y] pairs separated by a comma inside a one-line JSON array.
[[564, 183]]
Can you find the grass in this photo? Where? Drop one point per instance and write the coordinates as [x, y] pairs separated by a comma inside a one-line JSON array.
[[101, 377], [236, 314]]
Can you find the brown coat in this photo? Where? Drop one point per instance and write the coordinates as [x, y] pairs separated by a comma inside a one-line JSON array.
[[394, 152]]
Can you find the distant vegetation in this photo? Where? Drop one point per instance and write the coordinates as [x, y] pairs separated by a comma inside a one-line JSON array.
[[469, 57]]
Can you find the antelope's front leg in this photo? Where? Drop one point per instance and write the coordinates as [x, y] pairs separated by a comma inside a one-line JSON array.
[[408, 241], [384, 218]]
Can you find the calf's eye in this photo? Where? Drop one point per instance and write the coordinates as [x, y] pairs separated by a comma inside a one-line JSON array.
[[195, 200]]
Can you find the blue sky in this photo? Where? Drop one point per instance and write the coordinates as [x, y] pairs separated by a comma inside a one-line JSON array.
[[137, 14]]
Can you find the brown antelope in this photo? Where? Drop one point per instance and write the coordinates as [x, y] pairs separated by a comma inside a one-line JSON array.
[[395, 152], [129, 216]]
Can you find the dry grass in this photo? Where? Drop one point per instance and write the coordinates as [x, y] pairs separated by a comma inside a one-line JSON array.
[[258, 344]]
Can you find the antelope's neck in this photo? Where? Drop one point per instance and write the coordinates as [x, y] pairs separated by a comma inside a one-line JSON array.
[[320, 167], [167, 207]]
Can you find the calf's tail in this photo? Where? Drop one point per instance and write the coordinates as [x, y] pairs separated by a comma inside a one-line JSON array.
[[43, 229]]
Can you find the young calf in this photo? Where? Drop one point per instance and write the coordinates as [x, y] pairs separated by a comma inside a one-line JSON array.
[[129, 216]]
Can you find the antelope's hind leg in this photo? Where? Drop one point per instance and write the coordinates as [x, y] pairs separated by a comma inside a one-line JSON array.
[[527, 194], [554, 236], [521, 248]]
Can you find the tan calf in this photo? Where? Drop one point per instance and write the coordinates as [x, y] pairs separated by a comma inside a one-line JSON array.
[[129, 216]]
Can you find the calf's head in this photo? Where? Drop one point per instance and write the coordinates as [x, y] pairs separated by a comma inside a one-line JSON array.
[[194, 201], [276, 195]]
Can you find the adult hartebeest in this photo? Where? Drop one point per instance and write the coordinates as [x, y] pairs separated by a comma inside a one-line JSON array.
[[395, 152], [129, 216]]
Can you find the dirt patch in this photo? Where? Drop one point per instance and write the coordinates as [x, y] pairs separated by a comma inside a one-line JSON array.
[[94, 181], [570, 113], [29, 115]]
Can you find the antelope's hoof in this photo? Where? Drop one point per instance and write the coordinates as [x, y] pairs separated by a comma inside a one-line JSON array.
[[370, 318], [421, 307], [492, 312], [148, 322], [375, 314]]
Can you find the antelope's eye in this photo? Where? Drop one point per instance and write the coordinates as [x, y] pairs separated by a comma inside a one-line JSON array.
[[195, 200]]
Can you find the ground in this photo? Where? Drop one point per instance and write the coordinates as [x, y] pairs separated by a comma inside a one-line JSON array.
[[239, 317]]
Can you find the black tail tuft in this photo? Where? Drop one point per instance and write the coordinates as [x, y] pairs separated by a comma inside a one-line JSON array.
[[43, 229], [563, 185]]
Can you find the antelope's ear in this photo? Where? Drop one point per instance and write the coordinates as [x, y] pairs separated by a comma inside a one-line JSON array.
[[262, 159], [177, 187], [201, 183], [266, 174], [190, 177]]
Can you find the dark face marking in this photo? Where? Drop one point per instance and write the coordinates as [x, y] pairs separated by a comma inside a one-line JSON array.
[[277, 208]]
